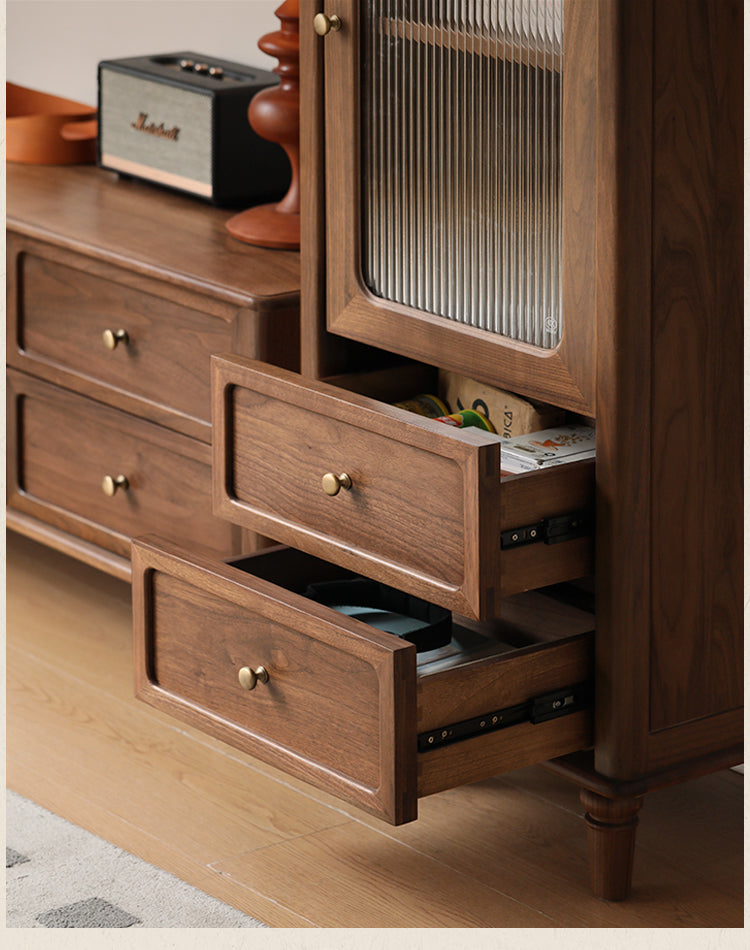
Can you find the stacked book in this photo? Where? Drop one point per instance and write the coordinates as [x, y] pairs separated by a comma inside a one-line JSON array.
[[541, 450], [510, 415]]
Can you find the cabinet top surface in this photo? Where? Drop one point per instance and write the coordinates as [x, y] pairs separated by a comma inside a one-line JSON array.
[[153, 231]]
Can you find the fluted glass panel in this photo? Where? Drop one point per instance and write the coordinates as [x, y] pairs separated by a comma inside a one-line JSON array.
[[461, 109]]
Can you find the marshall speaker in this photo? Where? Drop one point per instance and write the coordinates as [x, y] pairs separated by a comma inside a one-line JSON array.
[[180, 120]]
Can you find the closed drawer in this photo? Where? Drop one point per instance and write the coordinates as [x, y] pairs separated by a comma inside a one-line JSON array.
[[348, 708], [62, 445], [61, 304], [427, 508]]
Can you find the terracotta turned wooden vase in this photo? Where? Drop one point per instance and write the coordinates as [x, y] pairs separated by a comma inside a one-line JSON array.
[[274, 115]]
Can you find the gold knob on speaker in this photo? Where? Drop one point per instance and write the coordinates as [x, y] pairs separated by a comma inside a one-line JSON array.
[[113, 337], [110, 484], [332, 484], [249, 679], [323, 24]]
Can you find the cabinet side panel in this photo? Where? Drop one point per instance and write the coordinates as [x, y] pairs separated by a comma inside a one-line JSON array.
[[696, 485], [669, 467]]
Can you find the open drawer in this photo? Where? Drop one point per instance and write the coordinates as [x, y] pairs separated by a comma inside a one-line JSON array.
[[349, 708], [425, 508]]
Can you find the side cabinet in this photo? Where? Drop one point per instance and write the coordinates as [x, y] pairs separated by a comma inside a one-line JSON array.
[[670, 388], [114, 310]]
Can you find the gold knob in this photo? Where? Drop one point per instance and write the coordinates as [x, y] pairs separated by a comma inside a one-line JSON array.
[[110, 485], [332, 484], [113, 337], [323, 24], [249, 679]]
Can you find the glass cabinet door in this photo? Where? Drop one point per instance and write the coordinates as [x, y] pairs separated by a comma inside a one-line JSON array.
[[460, 187]]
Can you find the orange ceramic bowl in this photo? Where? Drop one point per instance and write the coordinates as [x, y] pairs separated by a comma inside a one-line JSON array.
[[42, 129]]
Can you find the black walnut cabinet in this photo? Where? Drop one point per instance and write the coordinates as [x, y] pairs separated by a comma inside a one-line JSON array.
[[644, 222], [613, 174]]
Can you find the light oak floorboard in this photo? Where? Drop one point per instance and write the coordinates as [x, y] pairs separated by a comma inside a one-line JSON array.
[[366, 879], [116, 750], [509, 852], [539, 849]]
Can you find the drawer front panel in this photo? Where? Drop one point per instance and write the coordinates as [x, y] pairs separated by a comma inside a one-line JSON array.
[[63, 445], [328, 711], [383, 506], [426, 506], [63, 312], [302, 706], [423, 510]]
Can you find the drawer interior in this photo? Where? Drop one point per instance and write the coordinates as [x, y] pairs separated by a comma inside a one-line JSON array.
[[527, 620]]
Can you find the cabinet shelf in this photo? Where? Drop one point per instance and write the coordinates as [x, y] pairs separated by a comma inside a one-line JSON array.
[[535, 51]]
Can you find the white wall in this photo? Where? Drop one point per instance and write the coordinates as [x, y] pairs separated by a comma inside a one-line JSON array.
[[55, 45]]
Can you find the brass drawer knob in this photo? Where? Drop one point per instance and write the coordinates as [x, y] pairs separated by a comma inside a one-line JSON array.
[[332, 484], [110, 484], [323, 24], [249, 679], [113, 337]]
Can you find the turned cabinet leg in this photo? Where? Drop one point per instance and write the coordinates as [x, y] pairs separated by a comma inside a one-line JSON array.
[[611, 837]]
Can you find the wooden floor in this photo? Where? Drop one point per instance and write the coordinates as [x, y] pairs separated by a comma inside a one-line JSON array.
[[509, 852]]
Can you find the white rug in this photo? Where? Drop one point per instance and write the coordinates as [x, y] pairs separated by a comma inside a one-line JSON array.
[[58, 875]]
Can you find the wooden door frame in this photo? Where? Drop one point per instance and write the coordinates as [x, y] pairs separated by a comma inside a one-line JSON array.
[[564, 375]]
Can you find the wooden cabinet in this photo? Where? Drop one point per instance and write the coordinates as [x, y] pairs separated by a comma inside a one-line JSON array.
[[118, 294], [591, 233]]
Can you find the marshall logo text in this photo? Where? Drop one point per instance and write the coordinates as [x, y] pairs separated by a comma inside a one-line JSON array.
[[151, 128]]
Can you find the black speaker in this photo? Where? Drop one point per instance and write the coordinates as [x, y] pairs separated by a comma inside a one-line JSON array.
[[180, 120]]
